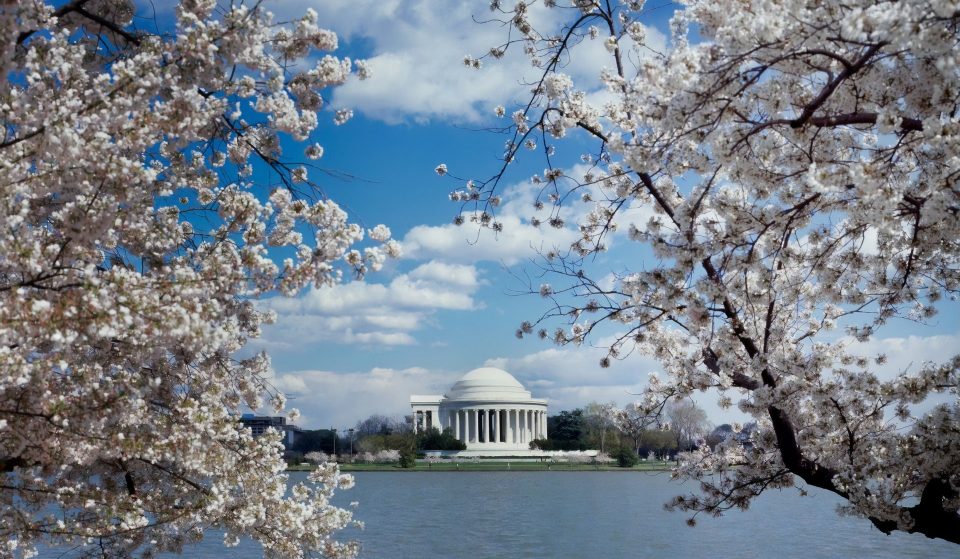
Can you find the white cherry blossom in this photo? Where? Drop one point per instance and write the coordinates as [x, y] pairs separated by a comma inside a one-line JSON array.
[[799, 165], [133, 244]]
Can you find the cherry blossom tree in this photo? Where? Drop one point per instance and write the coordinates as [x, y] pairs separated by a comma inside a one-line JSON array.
[[600, 418], [797, 164], [135, 239], [688, 422]]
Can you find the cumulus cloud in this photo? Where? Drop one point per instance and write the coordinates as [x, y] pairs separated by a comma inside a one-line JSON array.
[[520, 239], [370, 313], [341, 399], [417, 55], [908, 354], [570, 377], [467, 243]]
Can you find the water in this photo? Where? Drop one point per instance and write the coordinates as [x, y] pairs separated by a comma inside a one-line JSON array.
[[589, 514]]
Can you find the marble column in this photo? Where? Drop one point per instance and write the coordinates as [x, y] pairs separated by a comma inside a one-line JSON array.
[[522, 426], [466, 426], [492, 414], [481, 425], [506, 426]]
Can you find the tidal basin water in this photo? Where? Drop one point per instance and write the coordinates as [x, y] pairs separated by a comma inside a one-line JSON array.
[[588, 514]]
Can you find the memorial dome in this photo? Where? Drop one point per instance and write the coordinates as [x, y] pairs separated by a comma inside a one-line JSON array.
[[487, 410], [488, 383]]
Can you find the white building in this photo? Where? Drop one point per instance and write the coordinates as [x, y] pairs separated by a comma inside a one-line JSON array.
[[487, 409]]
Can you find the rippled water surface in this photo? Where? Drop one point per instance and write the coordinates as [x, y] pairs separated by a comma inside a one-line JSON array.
[[589, 514]]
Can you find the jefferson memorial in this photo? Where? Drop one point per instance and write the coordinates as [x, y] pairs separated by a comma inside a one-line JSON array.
[[488, 410]]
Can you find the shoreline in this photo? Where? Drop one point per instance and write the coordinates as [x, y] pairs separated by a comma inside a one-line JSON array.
[[500, 466]]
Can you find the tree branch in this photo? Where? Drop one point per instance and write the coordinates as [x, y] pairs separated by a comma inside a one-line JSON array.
[[828, 89]]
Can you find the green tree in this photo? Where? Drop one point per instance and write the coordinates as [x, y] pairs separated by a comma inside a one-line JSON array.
[[380, 425], [433, 439], [408, 458], [394, 441], [599, 421], [566, 426], [659, 441], [626, 457], [317, 440]]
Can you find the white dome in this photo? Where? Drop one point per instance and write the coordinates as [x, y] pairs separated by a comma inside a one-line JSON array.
[[488, 383]]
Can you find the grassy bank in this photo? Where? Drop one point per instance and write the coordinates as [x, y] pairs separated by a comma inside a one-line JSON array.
[[497, 466]]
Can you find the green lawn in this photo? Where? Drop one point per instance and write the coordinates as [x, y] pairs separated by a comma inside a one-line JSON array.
[[496, 466]]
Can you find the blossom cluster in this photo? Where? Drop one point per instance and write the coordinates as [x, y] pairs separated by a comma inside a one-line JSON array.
[[134, 241], [799, 175]]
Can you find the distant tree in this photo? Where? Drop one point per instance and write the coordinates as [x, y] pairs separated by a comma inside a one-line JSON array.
[[434, 439], [634, 421], [659, 441], [394, 441], [316, 440], [688, 422], [379, 425], [567, 426], [719, 434], [604, 459], [386, 456], [408, 458], [543, 444], [626, 457], [317, 457], [599, 419]]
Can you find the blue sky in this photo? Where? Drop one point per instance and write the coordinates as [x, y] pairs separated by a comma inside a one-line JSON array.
[[446, 307]]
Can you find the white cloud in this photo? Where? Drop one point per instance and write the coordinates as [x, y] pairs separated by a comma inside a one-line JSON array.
[[908, 354], [568, 377], [341, 399], [453, 274], [417, 57], [370, 313], [520, 240], [571, 377], [468, 243]]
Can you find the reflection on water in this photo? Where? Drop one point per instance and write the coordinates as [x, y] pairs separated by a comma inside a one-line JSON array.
[[589, 514]]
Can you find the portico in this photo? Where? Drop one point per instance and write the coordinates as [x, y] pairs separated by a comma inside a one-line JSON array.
[[487, 409]]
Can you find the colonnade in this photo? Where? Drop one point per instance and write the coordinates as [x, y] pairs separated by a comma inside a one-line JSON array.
[[497, 425]]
